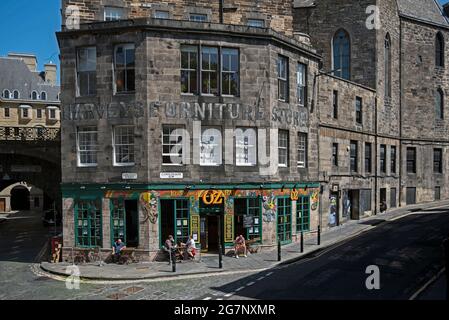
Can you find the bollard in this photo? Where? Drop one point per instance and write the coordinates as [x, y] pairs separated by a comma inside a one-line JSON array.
[[220, 257], [173, 261], [302, 241], [279, 250], [319, 235]]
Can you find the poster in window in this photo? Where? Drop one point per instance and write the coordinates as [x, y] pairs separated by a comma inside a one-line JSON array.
[[256, 230], [185, 223], [178, 223], [80, 223], [256, 221], [179, 232]]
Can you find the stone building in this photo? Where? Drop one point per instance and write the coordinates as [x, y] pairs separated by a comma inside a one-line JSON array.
[[29, 117], [214, 119]]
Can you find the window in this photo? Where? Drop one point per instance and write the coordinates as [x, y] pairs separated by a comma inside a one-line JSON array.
[[34, 95], [387, 66], [439, 104], [282, 65], [124, 68], [43, 95], [283, 148], [335, 154], [6, 94], [7, 112], [393, 159], [368, 157], [246, 147], [258, 23], [209, 70], [211, 147], [301, 73], [16, 94], [198, 17], [439, 50], [230, 72], [383, 160], [124, 145], [358, 110], [438, 160], [87, 140], [118, 219], [303, 214], [182, 209], [113, 13], [244, 208], [341, 54], [284, 220], [51, 113], [159, 14], [172, 145], [189, 73], [302, 150], [39, 113], [25, 112], [335, 104], [353, 156], [87, 71], [88, 224], [411, 160]]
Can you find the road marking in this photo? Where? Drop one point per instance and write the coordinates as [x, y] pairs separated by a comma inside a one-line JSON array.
[[427, 284], [250, 284], [261, 278], [240, 289], [269, 274], [228, 295], [207, 298]]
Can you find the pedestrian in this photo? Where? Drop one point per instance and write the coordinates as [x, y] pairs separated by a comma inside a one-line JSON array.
[[240, 244], [117, 249], [190, 248]]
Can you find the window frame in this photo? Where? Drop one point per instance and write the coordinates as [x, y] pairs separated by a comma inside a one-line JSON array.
[[343, 54], [204, 163], [439, 104], [359, 110], [156, 12], [249, 23], [438, 161], [303, 209], [411, 163], [301, 89], [335, 147], [43, 96], [383, 158], [354, 158], [439, 50], [97, 215], [368, 157], [203, 15], [189, 70], [283, 80], [286, 209], [113, 17], [222, 72], [14, 94], [249, 147], [90, 73], [302, 149], [34, 95], [393, 159], [125, 69], [335, 104], [79, 151], [6, 96], [131, 146], [210, 71], [7, 112], [284, 148], [172, 128]]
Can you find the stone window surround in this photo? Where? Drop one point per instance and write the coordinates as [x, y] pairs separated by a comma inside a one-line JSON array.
[[99, 16], [256, 16], [161, 7], [196, 10]]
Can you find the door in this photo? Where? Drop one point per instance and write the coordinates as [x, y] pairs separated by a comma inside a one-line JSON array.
[[2, 205], [354, 200], [132, 223], [212, 233], [333, 209], [411, 196], [284, 220]]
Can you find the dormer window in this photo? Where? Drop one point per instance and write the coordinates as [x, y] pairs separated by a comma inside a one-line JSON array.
[[43, 95], [6, 94], [16, 94], [113, 13], [34, 95]]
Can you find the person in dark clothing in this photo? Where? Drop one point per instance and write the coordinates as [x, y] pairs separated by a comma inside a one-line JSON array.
[[117, 249]]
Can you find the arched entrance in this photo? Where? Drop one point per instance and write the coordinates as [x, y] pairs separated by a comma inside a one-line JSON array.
[[20, 198]]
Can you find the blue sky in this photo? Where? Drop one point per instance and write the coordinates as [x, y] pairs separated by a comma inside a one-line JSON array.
[[29, 26]]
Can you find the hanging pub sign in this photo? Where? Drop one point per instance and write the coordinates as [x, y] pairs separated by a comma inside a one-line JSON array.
[[212, 197]]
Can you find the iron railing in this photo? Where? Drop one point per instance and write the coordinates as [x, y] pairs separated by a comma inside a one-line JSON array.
[[29, 134]]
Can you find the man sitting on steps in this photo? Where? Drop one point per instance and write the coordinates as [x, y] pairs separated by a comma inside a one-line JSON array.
[[240, 244]]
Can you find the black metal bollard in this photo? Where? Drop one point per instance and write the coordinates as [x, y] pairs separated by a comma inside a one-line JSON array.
[[220, 257], [302, 241], [319, 235], [279, 251], [173, 261]]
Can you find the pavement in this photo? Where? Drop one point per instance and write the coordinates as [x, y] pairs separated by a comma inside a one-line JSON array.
[[264, 260]]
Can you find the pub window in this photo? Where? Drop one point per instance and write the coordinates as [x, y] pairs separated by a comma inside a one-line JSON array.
[[88, 224], [393, 159], [209, 70], [86, 71], [284, 221], [87, 146], [189, 69], [301, 73], [258, 23], [368, 157], [249, 209], [211, 147], [411, 160], [118, 217], [341, 54], [282, 66], [303, 214], [439, 50], [438, 160], [246, 147], [283, 148], [124, 68], [439, 104], [124, 146], [353, 156], [383, 160], [358, 110], [335, 154], [175, 220], [302, 150], [113, 13], [230, 72], [196, 17], [172, 145], [335, 104]]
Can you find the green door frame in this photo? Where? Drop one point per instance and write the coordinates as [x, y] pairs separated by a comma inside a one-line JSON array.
[[75, 216], [175, 227], [283, 241]]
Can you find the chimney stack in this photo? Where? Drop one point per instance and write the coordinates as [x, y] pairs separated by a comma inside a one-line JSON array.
[[29, 59], [50, 73]]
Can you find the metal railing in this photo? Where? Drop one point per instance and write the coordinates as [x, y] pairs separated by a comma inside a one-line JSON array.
[[29, 134]]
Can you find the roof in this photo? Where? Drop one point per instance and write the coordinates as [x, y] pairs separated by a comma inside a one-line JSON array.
[[15, 75], [426, 10]]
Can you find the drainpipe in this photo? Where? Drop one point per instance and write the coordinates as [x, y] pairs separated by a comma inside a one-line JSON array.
[[400, 114], [375, 157], [221, 11]]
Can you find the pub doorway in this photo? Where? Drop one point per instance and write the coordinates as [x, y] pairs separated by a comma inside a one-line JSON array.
[[211, 227], [354, 204]]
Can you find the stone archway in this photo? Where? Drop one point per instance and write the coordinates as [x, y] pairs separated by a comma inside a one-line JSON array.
[[22, 196]]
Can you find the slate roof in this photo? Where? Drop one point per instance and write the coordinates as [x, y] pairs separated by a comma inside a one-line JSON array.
[[15, 75], [426, 10]]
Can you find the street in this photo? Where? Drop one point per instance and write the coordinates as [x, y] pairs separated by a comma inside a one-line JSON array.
[[407, 251]]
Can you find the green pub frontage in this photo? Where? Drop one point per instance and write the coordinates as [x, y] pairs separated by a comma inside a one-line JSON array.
[[143, 216]]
